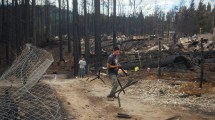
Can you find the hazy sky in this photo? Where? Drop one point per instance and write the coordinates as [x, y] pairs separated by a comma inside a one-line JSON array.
[[147, 6]]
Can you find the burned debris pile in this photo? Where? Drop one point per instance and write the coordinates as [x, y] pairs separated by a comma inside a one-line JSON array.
[[181, 66], [175, 93], [184, 55]]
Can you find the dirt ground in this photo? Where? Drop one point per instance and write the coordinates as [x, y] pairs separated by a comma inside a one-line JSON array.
[[85, 100]]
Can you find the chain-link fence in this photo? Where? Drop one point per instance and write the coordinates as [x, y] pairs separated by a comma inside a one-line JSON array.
[[22, 96]]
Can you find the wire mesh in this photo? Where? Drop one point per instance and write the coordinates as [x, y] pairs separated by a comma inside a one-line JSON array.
[[22, 96]]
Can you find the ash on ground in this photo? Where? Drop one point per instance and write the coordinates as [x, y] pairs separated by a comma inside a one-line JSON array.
[[174, 89]]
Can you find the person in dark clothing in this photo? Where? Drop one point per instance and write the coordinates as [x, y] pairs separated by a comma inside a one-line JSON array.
[[113, 66]]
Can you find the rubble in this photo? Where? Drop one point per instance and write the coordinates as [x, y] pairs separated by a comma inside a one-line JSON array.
[[193, 43], [185, 56], [169, 62], [162, 92], [163, 47]]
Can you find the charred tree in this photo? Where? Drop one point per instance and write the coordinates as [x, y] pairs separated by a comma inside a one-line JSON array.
[[47, 22], [60, 32], [34, 42], [55, 23], [114, 23], [5, 31], [26, 21], [87, 49], [17, 26], [97, 33], [13, 33], [68, 28], [108, 15], [76, 42], [63, 19]]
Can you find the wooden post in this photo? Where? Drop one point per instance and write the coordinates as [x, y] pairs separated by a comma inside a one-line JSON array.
[[202, 65], [159, 57]]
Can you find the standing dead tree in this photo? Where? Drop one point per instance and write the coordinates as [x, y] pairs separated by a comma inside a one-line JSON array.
[[97, 33], [87, 49], [76, 41], [60, 32], [33, 22], [68, 28], [114, 23]]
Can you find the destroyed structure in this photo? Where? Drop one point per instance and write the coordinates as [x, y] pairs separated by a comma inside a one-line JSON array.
[[143, 52]]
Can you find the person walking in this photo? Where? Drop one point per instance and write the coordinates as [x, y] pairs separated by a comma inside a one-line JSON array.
[[113, 66], [82, 64]]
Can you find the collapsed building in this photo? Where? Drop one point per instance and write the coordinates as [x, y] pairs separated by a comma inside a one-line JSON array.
[[144, 52]]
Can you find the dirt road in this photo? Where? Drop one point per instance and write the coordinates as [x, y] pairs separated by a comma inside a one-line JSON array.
[[84, 100]]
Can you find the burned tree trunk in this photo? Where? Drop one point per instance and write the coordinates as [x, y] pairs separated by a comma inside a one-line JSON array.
[[47, 22], [13, 32], [5, 31], [17, 26], [9, 36], [114, 23], [68, 28], [76, 42], [26, 22], [55, 23], [87, 50], [60, 33], [108, 15], [3, 21], [33, 23], [63, 19], [97, 33]]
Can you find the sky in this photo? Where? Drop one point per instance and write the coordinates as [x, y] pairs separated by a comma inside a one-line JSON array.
[[147, 6]]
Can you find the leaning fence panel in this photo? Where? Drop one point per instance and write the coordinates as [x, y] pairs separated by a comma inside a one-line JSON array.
[[22, 96]]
